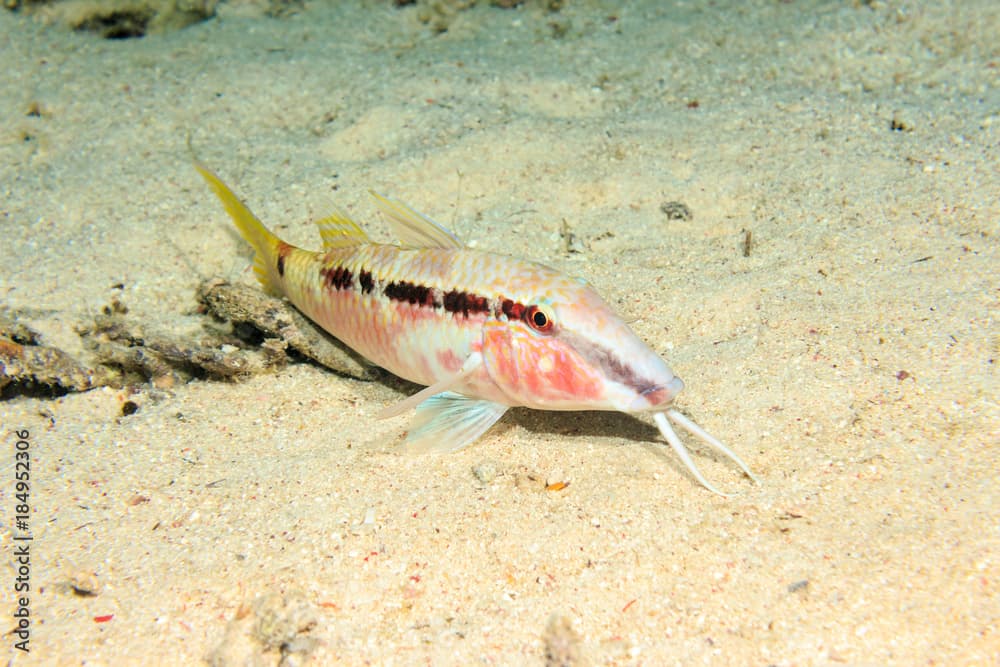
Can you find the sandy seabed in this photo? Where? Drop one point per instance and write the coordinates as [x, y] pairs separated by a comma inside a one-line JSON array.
[[850, 357]]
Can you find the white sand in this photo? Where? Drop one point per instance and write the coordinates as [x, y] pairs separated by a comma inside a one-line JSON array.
[[875, 251]]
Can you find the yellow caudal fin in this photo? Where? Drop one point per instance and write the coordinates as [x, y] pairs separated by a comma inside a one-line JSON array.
[[253, 230]]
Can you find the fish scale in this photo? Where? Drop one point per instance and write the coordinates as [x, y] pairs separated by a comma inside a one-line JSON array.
[[409, 339], [483, 331]]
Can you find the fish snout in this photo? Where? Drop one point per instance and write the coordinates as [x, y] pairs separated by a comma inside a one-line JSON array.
[[658, 396]]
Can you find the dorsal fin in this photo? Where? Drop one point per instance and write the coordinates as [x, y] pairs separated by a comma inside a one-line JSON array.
[[339, 231], [413, 229]]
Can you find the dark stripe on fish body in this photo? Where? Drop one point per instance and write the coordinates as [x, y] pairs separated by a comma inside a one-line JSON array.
[[609, 361], [337, 277], [454, 301], [411, 293], [465, 303], [283, 251], [367, 284], [512, 309]]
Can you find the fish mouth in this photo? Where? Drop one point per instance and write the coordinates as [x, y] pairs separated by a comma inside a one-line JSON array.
[[657, 396]]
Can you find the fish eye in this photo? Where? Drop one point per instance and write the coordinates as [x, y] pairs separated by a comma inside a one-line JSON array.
[[538, 319]]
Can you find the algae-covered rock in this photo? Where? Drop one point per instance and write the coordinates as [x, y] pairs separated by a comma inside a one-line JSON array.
[[119, 19]]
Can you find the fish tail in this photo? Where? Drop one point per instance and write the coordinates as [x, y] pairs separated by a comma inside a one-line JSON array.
[[265, 244]]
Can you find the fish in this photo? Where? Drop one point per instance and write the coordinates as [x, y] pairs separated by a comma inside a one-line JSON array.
[[483, 332]]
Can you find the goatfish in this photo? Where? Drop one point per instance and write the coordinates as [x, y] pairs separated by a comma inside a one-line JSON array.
[[483, 332]]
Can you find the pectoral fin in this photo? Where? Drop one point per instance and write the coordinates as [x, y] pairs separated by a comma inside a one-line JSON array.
[[449, 421], [445, 419], [471, 365]]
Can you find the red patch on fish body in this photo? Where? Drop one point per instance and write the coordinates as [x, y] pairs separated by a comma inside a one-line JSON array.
[[538, 371]]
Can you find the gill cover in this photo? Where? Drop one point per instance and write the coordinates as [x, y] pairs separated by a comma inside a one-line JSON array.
[[528, 358]]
